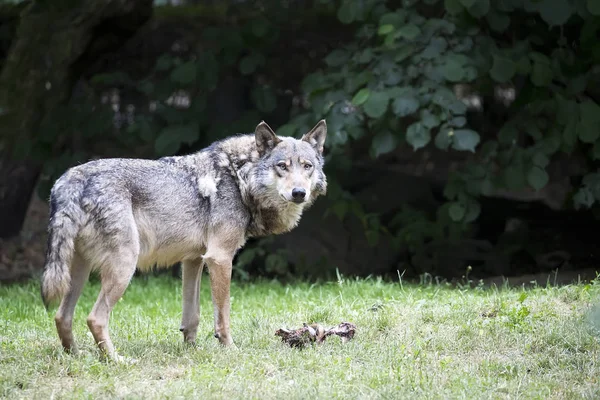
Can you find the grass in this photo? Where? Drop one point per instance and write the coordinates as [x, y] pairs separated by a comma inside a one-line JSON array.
[[414, 341]]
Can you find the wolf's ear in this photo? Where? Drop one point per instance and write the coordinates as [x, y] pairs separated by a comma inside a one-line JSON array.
[[316, 136], [266, 139]]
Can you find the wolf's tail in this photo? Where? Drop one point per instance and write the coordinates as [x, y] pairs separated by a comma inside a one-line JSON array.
[[66, 218]]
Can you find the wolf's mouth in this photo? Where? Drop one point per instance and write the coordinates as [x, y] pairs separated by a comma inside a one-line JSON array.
[[292, 200]]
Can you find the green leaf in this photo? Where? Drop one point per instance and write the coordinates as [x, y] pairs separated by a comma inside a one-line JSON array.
[[260, 26], [264, 98], [409, 31], [164, 62], [541, 75], [428, 119], [365, 56], [340, 209], [405, 105], [480, 8], [404, 52], [437, 46], [361, 96], [376, 105], [170, 138], [385, 29], [592, 181], [347, 11], [593, 7], [443, 139], [584, 197], [453, 7], [382, 143], [539, 58], [358, 80], [569, 135], [514, 177], [498, 21], [453, 71], [465, 140], [468, 3], [524, 65], [446, 99], [209, 76], [184, 73], [396, 18], [417, 135], [540, 159], [596, 151], [555, 12], [249, 63], [458, 122], [146, 87], [456, 211], [337, 58], [589, 125], [473, 211], [576, 85], [503, 69], [287, 130], [537, 177]]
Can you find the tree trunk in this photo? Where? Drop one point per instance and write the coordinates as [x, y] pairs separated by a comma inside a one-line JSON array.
[[17, 181], [54, 43]]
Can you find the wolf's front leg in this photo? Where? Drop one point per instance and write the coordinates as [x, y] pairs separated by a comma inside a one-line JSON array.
[[191, 276], [219, 264]]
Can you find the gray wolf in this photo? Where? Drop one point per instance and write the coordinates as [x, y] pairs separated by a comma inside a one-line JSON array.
[[113, 215]]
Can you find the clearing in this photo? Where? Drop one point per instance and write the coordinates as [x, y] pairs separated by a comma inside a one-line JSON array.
[[413, 341]]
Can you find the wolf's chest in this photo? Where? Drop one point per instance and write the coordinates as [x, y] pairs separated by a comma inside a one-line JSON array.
[[273, 221]]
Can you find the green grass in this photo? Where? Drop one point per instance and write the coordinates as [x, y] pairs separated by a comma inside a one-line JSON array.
[[428, 341]]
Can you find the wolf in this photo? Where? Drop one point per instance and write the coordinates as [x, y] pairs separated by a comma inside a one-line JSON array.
[[116, 215]]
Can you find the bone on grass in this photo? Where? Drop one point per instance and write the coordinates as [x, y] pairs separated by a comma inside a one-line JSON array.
[[315, 333]]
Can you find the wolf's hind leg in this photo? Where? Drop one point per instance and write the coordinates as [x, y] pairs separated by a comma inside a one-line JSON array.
[[192, 275], [80, 272], [116, 274]]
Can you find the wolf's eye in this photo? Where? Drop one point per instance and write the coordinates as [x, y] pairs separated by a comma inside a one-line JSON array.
[[307, 166], [282, 165]]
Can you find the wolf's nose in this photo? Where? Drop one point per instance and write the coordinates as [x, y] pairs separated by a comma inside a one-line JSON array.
[[298, 194]]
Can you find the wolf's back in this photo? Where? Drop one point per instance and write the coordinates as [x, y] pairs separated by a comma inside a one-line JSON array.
[[66, 218]]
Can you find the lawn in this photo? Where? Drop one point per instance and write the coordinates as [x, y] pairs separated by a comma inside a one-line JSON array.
[[413, 341]]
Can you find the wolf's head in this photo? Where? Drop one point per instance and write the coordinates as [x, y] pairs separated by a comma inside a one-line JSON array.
[[291, 170]]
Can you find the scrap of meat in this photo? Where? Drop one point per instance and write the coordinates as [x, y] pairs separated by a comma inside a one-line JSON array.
[[315, 333]]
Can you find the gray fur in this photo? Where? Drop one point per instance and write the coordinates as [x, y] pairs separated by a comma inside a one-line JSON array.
[[114, 215]]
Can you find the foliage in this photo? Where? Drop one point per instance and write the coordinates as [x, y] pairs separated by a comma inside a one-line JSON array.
[[393, 84]]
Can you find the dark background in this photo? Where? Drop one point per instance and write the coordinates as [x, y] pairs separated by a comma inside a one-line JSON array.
[[463, 134]]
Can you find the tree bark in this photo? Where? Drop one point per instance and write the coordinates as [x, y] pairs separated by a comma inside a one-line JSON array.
[[54, 42]]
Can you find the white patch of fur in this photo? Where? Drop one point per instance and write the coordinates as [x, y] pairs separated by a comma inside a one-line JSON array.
[[207, 186], [223, 160]]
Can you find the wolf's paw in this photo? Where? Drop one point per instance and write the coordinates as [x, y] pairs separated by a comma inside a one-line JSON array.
[[119, 359]]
